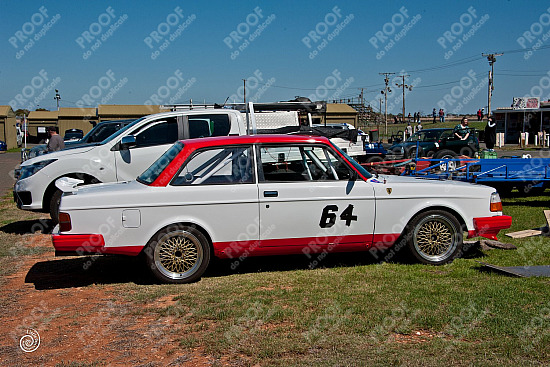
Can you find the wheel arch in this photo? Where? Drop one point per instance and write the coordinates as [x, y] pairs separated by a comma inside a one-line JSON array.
[[187, 223], [444, 208], [50, 189]]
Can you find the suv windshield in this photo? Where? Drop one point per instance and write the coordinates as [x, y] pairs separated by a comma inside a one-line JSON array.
[[427, 135], [119, 132]]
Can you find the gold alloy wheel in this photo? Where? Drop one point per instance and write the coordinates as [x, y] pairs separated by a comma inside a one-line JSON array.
[[435, 238], [178, 254]]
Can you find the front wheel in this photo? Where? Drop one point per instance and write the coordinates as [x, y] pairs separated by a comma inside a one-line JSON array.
[[55, 201], [178, 254], [434, 237]]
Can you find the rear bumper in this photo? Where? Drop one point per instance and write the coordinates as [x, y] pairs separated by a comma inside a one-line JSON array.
[[85, 244], [489, 227]]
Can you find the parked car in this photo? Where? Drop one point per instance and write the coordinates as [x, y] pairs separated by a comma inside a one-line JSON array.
[[239, 196], [122, 156], [73, 135], [99, 133], [437, 143], [3, 146]]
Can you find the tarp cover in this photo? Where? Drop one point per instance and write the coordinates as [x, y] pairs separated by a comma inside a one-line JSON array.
[[522, 271]]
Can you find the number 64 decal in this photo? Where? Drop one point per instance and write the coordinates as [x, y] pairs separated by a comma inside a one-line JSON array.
[[328, 217]]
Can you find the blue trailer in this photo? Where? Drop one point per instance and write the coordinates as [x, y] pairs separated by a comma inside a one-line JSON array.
[[528, 175]]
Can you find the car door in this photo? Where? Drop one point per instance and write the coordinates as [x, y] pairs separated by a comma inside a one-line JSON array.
[[221, 195], [152, 140], [309, 197]]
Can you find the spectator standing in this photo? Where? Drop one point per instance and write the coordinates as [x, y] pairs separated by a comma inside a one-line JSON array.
[[479, 116], [56, 141], [490, 133], [441, 115], [419, 126], [409, 130], [434, 115]]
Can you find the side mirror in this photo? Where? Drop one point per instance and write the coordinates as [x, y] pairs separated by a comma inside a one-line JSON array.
[[127, 142]]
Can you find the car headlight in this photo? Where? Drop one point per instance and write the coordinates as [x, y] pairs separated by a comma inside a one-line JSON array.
[[31, 169]]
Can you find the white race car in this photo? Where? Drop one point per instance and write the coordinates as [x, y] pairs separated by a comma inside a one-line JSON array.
[[233, 197]]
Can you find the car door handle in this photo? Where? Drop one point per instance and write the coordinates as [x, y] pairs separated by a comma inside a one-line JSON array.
[[271, 194]]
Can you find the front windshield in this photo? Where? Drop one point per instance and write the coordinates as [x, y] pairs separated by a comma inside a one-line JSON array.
[[153, 172], [426, 136], [121, 131], [354, 163]]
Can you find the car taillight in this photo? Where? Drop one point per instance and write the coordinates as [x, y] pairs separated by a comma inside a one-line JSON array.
[[64, 222], [496, 204]]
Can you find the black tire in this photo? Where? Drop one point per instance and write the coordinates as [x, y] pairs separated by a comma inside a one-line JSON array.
[[55, 200], [434, 237], [178, 254], [467, 151], [445, 154], [375, 158], [411, 153]]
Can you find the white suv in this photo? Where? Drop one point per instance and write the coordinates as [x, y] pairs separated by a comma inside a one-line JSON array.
[[121, 157]]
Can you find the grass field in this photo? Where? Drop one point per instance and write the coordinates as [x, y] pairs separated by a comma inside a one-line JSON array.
[[350, 309]]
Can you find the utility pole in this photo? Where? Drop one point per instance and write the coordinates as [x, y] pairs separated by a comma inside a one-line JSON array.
[[491, 58], [385, 93], [403, 85], [362, 108], [57, 98], [380, 114]]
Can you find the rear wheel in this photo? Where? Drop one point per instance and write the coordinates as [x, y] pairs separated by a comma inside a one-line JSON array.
[[411, 153], [467, 151], [374, 158], [446, 154], [178, 254], [434, 237]]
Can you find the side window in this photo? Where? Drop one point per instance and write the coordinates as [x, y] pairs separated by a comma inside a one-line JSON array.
[[158, 133], [301, 163], [201, 126], [229, 165]]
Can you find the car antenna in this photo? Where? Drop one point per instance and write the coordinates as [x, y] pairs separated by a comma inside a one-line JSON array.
[[225, 102]]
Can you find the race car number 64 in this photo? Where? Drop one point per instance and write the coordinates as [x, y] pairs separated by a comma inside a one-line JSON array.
[[328, 217]]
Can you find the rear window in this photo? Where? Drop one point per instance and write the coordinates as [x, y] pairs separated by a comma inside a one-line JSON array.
[[151, 174]]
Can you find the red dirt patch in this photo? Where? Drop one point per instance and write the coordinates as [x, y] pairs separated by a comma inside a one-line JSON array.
[[85, 323]]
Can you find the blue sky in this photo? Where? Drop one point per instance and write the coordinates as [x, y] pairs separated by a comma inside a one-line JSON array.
[[135, 52]]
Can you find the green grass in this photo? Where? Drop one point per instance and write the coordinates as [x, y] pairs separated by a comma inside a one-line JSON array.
[[370, 314], [352, 310]]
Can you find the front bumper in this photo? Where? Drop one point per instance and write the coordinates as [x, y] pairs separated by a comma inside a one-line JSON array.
[[489, 227]]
